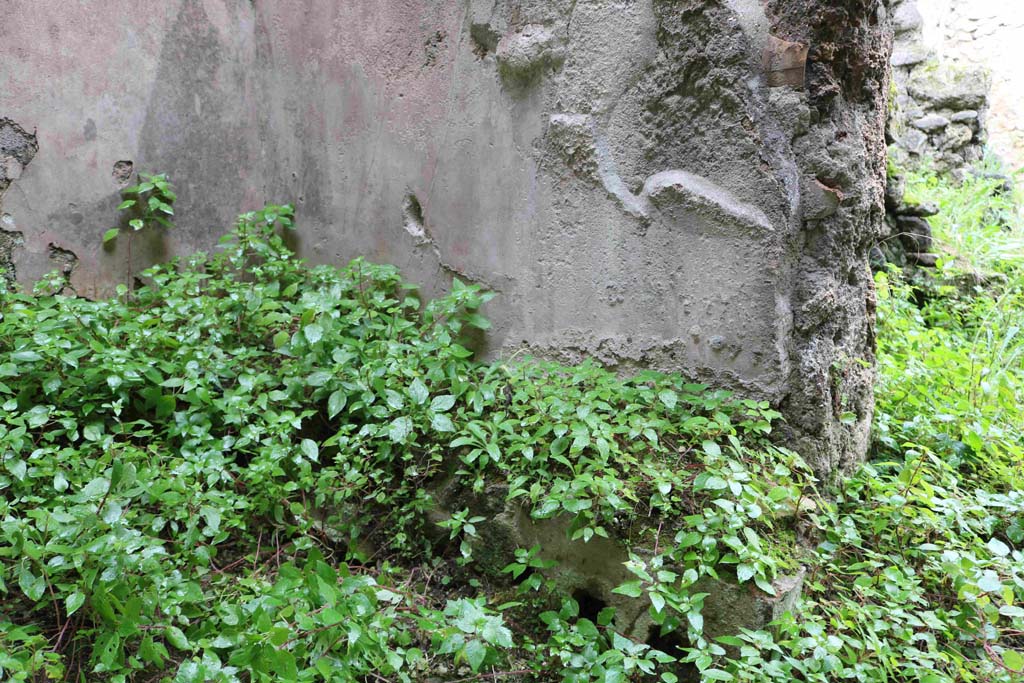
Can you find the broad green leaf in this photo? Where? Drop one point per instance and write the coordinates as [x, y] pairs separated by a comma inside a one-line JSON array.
[[669, 398], [990, 582], [212, 516], [310, 449], [1012, 611], [998, 548], [442, 403], [696, 620], [476, 653], [319, 378], [95, 489], [31, 585], [394, 399], [630, 589], [400, 429], [112, 512], [715, 484], [497, 634], [441, 423], [17, 467], [313, 333], [418, 392], [336, 403], [176, 637], [73, 602], [688, 539], [764, 584]]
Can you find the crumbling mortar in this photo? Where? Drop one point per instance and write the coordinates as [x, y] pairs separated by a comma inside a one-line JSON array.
[[18, 148]]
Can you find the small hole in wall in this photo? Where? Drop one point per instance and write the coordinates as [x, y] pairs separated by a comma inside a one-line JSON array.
[[674, 643], [122, 172], [412, 213], [590, 606]]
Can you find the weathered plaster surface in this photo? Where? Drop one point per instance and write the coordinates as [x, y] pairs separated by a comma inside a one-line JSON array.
[[629, 175]]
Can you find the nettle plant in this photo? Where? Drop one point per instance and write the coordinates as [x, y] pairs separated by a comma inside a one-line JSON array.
[[229, 474], [147, 204]]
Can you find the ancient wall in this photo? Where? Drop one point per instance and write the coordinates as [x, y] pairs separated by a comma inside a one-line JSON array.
[[986, 34], [684, 184], [960, 88], [939, 109]]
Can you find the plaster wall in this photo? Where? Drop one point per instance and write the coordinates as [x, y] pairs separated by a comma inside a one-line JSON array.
[[676, 184]]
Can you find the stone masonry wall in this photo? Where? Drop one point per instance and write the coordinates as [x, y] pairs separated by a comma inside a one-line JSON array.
[[986, 34], [689, 185], [939, 112]]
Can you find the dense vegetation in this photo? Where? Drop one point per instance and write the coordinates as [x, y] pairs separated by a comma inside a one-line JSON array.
[[233, 473]]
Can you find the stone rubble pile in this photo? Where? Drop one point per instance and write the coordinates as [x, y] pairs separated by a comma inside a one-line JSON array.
[[908, 241]]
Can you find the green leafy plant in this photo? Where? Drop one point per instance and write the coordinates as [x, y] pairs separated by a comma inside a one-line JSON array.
[[180, 454], [979, 228], [147, 204], [238, 474]]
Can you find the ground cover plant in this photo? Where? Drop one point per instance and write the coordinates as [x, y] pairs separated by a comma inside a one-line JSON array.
[[229, 474]]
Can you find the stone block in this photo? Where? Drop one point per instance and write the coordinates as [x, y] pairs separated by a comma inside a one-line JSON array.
[[906, 18], [922, 209], [957, 135], [592, 570], [915, 233], [904, 55], [964, 116], [819, 200], [930, 123], [731, 607], [914, 141], [953, 88], [895, 188]]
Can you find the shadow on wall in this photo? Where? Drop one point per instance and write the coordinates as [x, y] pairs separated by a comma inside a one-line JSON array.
[[196, 130]]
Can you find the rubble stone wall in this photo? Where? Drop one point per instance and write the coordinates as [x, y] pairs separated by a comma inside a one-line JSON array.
[[939, 111], [988, 34]]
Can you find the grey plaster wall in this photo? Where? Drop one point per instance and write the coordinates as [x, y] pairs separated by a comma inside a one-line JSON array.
[[681, 184]]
